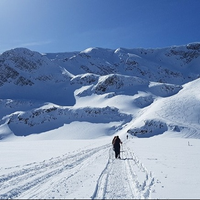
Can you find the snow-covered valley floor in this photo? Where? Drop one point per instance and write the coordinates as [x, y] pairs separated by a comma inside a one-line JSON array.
[[156, 167]]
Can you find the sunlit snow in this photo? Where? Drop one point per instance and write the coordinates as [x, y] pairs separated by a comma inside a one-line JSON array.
[[60, 112]]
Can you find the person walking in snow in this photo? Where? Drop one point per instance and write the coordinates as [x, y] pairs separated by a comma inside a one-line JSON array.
[[116, 146], [113, 141]]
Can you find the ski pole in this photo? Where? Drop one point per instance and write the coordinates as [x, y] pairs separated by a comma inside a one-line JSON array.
[[122, 150]]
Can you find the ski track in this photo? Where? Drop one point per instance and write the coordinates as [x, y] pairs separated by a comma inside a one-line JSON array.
[[26, 182], [124, 178]]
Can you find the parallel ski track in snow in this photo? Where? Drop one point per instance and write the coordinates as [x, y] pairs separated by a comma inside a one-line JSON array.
[[121, 179], [124, 179], [27, 181]]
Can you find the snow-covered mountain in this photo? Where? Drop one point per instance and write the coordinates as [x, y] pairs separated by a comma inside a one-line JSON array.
[[42, 92], [29, 75], [60, 111], [172, 65]]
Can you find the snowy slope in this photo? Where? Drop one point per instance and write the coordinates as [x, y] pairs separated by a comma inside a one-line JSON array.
[[178, 113], [31, 76], [59, 113], [176, 64]]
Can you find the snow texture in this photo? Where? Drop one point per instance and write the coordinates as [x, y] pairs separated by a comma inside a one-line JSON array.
[[60, 112]]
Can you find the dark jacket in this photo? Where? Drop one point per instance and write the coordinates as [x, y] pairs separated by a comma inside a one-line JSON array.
[[117, 143]]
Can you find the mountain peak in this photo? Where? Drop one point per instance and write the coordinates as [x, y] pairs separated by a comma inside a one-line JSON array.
[[19, 52]]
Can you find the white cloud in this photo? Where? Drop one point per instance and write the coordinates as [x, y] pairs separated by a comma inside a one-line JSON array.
[[35, 43]]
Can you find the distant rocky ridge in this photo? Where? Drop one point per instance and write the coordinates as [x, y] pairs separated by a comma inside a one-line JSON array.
[[177, 65], [171, 65]]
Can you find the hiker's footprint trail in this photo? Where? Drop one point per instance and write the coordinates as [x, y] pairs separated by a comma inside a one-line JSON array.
[[143, 179], [124, 179]]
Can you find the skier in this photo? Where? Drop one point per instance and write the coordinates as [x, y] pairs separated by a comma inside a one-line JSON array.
[[116, 145]]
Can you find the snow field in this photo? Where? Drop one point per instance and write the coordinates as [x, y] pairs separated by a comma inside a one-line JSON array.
[[158, 167], [173, 161]]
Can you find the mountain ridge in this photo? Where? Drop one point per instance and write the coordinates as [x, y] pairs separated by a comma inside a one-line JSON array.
[[129, 81]]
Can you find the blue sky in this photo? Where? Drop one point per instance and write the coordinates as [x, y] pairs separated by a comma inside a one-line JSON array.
[[74, 25]]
